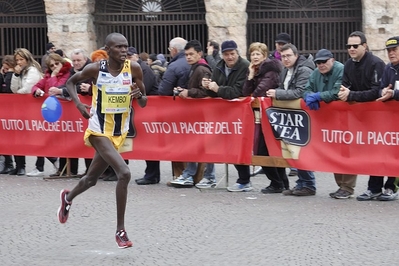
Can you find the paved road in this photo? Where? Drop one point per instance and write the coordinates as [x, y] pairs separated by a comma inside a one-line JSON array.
[[172, 226]]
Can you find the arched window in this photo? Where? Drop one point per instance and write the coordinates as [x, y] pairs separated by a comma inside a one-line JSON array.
[[149, 25]]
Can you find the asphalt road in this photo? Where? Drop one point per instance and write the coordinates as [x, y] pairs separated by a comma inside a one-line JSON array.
[[171, 226]]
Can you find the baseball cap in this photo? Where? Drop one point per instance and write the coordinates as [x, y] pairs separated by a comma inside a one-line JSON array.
[[283, 38], [392, 42], [229, 45], [131, 50], [323, 54]]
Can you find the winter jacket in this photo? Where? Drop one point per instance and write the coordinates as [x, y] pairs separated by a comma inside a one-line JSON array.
[[149, 79], [157, 67], [5, 82], [230, 87], [48, 81], [266, 78], [303, 68], [213, 60], [197, 72], [22, 84], [363, 78], [327, 84], [390, 76], [176, 75]]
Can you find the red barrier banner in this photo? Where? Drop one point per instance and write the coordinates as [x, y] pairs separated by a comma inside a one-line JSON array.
[[197, 130], [358, 138]]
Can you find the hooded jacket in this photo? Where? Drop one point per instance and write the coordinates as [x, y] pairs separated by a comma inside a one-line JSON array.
[[303, 68], [197, 72], [266, 78]]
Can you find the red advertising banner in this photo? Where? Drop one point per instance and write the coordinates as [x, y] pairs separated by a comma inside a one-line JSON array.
[[340, 137], [198, 130]]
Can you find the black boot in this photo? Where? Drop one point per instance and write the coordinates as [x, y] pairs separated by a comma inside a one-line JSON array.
[[7, 170]]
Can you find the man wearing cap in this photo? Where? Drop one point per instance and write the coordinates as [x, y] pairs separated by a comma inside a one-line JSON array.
[[281, 39], [323, 85], [50, 48], [360, 83], [389, 87], [226, 82]]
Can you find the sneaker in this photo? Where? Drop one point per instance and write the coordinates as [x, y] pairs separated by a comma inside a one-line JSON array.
[[305, 191], [270, 190], [289, 192], [237, 187], [388, 195], [206, 183], [183, 182], [122, 240], [343, 194], [293, 172], [368, 195], [332, 194], [35, 172], [63, 210]]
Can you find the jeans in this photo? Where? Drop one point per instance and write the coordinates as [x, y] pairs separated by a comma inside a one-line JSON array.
[[306, 179], [191, 170]]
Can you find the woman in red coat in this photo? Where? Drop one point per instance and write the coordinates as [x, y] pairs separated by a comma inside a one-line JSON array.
[[57, 74]]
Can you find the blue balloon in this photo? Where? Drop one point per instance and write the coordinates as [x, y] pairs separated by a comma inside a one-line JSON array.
[[51, 109]]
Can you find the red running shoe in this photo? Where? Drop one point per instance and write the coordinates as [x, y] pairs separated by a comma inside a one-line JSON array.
[[122, 240], [63, 210]]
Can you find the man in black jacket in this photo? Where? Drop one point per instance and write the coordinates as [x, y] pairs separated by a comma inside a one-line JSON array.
[[360, 83]]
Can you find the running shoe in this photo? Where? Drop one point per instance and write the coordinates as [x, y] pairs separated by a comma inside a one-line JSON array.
[[122, 240], [63, 210]]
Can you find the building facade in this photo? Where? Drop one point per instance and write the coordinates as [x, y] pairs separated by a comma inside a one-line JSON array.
[[150, 24]]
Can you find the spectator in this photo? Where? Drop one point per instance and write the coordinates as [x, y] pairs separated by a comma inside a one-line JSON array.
[[50, 48], [262, 75], [161, 57], [144, 57], [79, 61], [199, 69], [27, 73], [360, 83], [389, 87], [6, 73], [293, 78], [212, 54], [323, 85], [58, 71], [226, 82], [156, 66], [176, 75], [281, 40]]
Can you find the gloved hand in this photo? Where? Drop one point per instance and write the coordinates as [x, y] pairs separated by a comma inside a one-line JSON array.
[[312, 100]]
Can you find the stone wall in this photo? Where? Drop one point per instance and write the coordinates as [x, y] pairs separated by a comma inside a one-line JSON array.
[[380, 21], [70, 24], [227, 20]]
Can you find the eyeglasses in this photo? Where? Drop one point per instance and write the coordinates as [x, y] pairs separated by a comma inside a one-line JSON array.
[[55, 64], [287, 56], [349, 46], [321, 62]]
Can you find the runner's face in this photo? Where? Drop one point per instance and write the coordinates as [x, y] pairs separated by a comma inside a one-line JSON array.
[[118, 49]]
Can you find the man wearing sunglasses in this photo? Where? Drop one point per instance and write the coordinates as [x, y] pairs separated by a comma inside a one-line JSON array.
[[360, 83]]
